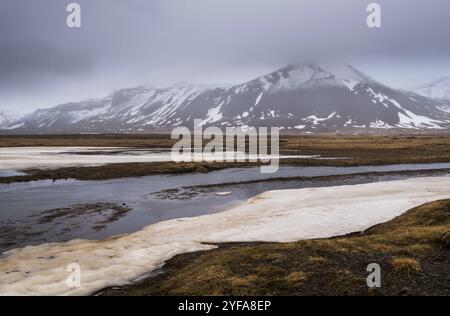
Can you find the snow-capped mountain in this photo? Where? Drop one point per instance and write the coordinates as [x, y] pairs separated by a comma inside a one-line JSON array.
[[306, 98], [438, 89]]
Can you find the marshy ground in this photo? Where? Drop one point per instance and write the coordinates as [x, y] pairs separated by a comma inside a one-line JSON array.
[[345, 151], [413, 250]]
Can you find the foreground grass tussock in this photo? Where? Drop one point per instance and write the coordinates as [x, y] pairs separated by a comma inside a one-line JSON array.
[[406, 267]]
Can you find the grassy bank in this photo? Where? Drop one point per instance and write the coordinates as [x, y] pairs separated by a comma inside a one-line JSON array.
[[413, 251]]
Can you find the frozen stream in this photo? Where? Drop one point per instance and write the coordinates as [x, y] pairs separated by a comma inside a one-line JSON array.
[[152, 199]]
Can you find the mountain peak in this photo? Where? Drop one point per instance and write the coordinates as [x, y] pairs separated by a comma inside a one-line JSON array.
[[437, 89], [307, 75]]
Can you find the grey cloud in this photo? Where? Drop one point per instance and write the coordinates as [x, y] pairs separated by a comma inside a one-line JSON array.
[[122, 43]]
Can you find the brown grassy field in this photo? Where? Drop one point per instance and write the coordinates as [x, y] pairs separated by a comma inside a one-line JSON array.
[[413, 251], [111, 140], [357, 150]]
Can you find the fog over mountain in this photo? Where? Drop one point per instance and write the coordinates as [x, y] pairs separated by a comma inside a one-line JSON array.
[[4, 119], [438, 89]]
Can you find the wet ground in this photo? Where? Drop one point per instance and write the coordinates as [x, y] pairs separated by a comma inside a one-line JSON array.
[[46, 211]]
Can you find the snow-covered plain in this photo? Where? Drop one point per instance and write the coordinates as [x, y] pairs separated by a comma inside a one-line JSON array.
[[278, 216], [20, 158]]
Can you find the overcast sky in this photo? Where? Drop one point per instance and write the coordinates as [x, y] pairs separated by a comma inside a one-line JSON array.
[[124, 43]]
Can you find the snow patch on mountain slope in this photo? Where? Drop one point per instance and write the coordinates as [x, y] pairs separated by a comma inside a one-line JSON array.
[[445, 109], [316, 120], [258, 98], [85, 114], [14, 126], [213, 115], [380, 124], [378, 97], [171, 100], [411, 120]]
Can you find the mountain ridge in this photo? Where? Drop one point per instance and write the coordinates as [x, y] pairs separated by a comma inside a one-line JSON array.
[[298, 97]]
